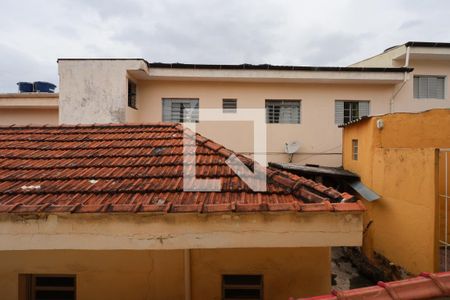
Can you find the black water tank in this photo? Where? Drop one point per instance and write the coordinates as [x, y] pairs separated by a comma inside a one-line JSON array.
[[44, 87], [25, 87]]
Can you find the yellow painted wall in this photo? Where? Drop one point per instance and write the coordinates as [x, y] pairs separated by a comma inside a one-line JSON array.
[[400, 162], [404, 227], [442, 194], [283, 270], [160, 274]]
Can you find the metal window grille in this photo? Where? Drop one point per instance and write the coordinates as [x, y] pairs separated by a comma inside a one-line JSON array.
[[229, 105], [283, 111], [132, 94], [242, 287], [355, 149], [180, 110], [42, 287]]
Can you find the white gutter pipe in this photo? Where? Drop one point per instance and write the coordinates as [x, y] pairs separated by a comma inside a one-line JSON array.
[[187, 274]]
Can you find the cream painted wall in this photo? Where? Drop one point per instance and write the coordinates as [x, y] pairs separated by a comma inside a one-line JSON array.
[[319, 136], [143, 275], [405, 102], [423, 62], [28, 108], [383, 60], [25, 116]]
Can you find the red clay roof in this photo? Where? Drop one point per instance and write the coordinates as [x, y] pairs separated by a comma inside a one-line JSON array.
[[425, 286], [136, 168]]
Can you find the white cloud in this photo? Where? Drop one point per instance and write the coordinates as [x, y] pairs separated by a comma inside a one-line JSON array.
[[321, 32]]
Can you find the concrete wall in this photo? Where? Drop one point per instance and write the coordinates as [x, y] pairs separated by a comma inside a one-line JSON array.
[[94, 91], [400, 163], [318, 135], [168, 231], [160, 274]]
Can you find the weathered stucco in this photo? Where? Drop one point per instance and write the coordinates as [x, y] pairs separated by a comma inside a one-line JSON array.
[[400, 162], [179, 231], [94, 91]]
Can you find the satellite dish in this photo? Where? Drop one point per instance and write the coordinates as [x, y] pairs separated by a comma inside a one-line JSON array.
[[291, 147]]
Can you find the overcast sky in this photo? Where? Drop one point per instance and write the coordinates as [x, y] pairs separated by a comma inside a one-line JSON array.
[[313, 32]]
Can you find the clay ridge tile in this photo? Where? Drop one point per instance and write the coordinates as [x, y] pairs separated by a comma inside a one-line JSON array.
[[426, 286]]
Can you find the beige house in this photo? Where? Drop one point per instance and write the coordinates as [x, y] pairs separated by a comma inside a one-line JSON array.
[[303, 104], [100, 212]]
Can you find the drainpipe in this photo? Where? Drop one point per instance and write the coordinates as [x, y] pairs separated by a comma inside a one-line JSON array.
[[405, 79], [187, 274], [407, 57]]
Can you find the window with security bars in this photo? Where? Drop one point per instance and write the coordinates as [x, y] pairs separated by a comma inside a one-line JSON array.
[[283, 111], [132, 93], [242, 287], [431, 87], [180, 110], [355, 149], [347, 111], [46, 287], [229, 105]]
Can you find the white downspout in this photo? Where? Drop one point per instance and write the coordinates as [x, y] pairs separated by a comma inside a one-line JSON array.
[[187, 274], [407, 57]]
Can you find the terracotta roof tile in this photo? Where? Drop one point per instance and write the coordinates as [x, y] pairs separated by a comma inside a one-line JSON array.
[[426, 286], [137, 168]]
